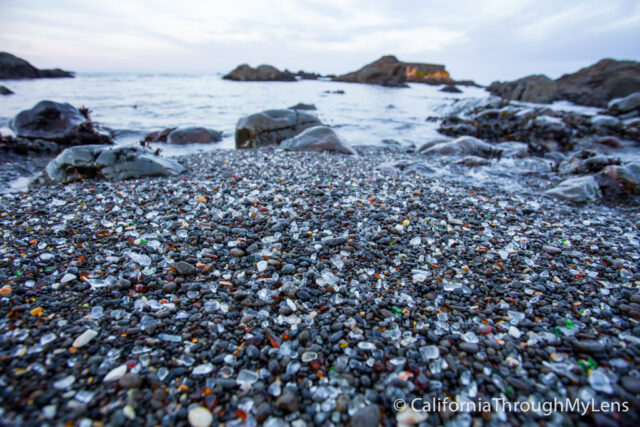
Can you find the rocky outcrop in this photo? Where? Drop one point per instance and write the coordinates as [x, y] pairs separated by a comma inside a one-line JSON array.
[[194, 135], [271, 127], [263, 73], [463, 146], [583, 189], [5, 90], [536, 88], [59, 122], [304, 75], [317, 138], [304, 107], [386, 71], [106, 162], [598, 84], [628, 104], [12, 67]]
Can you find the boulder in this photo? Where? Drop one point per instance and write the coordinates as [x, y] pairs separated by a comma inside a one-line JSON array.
[[431, 142], [192, 135], [58, 122], [578, 190], [604, 124], [450, 89], [12, 67], [159, 136], [464, 146], [514, 149], [317, 138], [5, 90], [535, 88], [407, 166], [628, 175], [600, 83], [271, 127], [581, 166], [106, 162], [626, 104], [304, 107], [386, 71], [263, 73]]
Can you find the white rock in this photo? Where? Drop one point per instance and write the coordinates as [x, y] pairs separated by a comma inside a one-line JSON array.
[[116, 373], [84, 338], [262, 266], [68, 278], [200, 417]]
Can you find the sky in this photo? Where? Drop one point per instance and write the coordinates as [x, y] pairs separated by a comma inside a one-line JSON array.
[[483, 40]]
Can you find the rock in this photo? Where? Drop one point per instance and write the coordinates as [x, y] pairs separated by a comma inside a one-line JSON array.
[[600, 83], [48, 120], [464, 146], [185, 269], [408, 166], [628, 175], [5, 90], [271, 127], [431, 142], [317, 138], [192, 135], [200, 417], [12, 67], [535, 88], [287, 402], [514, 149], [307, 75], [288, 269], [450, 89], [551, 250], [472, 161], [262, 73], [579, 190], [580, 166], [159, 136], [130, 380], [106, 162], [603, 124], [302, 106], [626, 104], [631, 384], [386, 71], [84, 338], [369, 416], [236, 252], [590, 346], [116, 373]]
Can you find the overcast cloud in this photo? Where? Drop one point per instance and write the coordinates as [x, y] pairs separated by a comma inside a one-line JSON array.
[[481, 40]]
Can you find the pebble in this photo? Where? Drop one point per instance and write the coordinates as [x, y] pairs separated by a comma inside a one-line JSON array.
[[287, 402], [552, 250], [84, 338], [130, 380], [366, 417], [288, 269], [116, 373], [236, 252], [200, 417], [185, 269]]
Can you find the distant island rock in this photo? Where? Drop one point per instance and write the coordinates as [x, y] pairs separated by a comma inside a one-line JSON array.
[[263, 73], [12, 67], [391, 72], [595, 85]]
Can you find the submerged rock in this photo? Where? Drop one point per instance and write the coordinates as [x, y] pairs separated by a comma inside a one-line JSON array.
[[464, 146], [271, 127], [317, 138], [535, 88], [60, 122], [579, 190], [263, 73], [450, 89], [108, 162], [386, 71], [192, 135]]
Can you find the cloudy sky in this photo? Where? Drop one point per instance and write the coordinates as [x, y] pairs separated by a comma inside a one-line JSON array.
[[482, 40]]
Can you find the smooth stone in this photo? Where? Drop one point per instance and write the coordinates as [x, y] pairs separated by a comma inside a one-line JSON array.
[[236, 252], [116, 373], [200, 417], [84, 338], [369, 416], [287, 402], [578, 190], [130, 380], [185, 269]]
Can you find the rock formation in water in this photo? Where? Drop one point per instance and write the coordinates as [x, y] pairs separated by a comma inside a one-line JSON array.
[[12, 67]]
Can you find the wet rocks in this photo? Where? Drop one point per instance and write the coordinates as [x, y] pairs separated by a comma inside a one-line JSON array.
[[463, 146], [271, 127], [450, 89], [535, 88], [586, 163], [317, 138], [5, 90], [159, 136], [583, 189], [185, 269], [193, 135], [368, 416], [287, 402], [200, 417], [408, 166], [106, 162], [386, 71], [12, 67], [625, 105], [48, 120], [628, 175], [262, 73]]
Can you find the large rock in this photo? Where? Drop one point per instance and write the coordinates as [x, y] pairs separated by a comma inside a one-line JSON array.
[[12, 67], [598, 84], [263, 73], [582, 164], [386, 71], [62, 123], [107, 162], [626, 104], [536, 88], [192, 135], [5, 90], [578, 190], [271, 127], [159, 135], [317, 138], [464, 146], [628, 175]]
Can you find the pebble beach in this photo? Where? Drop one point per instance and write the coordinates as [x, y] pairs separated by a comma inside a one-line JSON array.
[[290, 288]]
